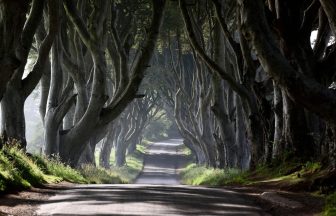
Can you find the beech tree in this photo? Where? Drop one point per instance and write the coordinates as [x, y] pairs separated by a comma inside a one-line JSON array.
[[301, 78], [247, 82], [126, 132], [18, 47], [100, 110]]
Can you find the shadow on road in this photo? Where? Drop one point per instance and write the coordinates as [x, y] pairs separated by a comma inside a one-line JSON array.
[[156, 192], [149, 200]]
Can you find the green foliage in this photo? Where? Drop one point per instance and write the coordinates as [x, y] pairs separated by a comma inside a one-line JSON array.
[[185, 150], [276, 170], [18, 170], [54, 167], [10, 177], [134, 165], [312, 166], [24, 165], [200, 175], [157, 130], [330, 207], [290, 172], [143, 146], [96, 175]]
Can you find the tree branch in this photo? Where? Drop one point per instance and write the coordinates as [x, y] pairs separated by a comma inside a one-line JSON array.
[[30, 82], [80, 26], [118, 105], [239, 89], [329, 7], [300, 88], [31, 24]]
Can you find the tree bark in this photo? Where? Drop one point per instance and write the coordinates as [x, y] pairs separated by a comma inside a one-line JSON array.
[[12, 19], [96, 116], [20, 89], [278, 123], [302, 89]]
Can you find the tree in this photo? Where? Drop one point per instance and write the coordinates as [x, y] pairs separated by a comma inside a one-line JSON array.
[[100, 111], [19, 88], [299, 84]]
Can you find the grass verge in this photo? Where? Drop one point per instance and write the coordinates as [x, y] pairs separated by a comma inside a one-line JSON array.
[[330, 207], [200, 175], [134, 165], [19, 170], [309, 176]]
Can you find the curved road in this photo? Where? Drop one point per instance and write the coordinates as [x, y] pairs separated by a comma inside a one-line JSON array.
[[156, 192]]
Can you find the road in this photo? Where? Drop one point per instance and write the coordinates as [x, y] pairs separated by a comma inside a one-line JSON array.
[[156, 192], [161, 164]]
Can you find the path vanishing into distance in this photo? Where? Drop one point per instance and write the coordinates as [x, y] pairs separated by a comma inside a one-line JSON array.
[[157, 191]]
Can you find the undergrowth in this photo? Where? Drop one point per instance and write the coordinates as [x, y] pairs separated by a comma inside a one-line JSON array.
[[200, 175], [309, 176], [19, 170], [134, 164], [54, 167], [330, 207], [290, 172], [96, 175]]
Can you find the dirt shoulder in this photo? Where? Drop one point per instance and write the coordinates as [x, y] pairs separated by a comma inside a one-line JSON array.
[[25, 203], [283, 203]]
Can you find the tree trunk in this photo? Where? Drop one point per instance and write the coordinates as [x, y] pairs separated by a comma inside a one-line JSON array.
[[297, 137], [13, 15], [110, 141], [18, 89], [197, 151], [105, 153], [243, 147], [120, 154], [98, 115], [88, 156], [51, 134], [132, 146], [278, 109], [12, 113]]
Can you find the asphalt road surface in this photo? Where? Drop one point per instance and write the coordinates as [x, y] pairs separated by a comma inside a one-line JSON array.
[[161, 164], [156, 192]]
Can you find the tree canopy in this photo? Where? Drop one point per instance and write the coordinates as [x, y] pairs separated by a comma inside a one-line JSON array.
[[242, 82]]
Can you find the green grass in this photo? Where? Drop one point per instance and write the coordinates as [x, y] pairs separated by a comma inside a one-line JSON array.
[[145, 143], [291, 173], [96, 175], [185, 150], [330, 207], [200, 175], [53, 167], [134, 164], [10, 176], [19, 170]]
